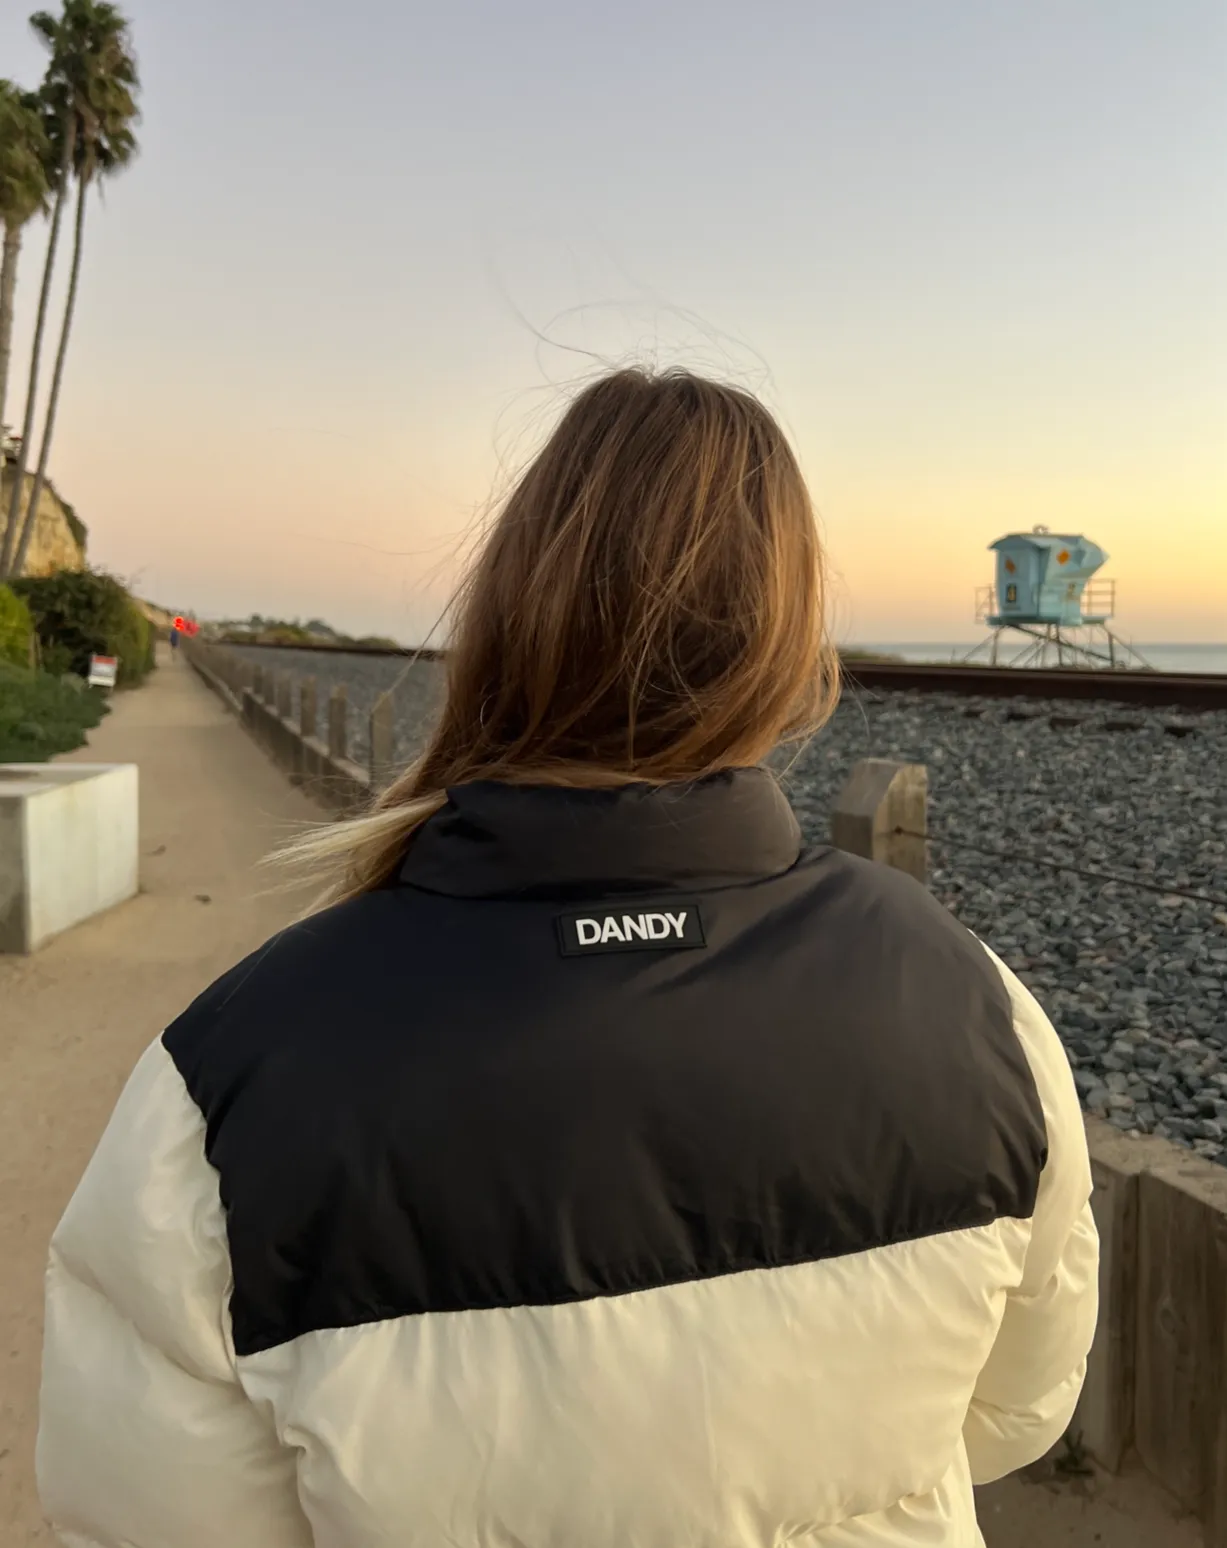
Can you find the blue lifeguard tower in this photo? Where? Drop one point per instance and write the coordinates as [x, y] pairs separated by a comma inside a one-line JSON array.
[[1046, 593]]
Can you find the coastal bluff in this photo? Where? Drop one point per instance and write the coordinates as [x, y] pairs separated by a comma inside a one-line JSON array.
[[59, 536]]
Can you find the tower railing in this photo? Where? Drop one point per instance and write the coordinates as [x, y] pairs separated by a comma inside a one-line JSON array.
[[1099, 599]]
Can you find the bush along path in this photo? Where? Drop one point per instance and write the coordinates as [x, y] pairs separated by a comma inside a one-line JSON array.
[[42, 715], [81, 613], [16, 630], [50, 626]]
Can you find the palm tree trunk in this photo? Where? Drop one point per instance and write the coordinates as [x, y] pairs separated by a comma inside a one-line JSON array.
[[57, 379], [8, 287], [44, 295]]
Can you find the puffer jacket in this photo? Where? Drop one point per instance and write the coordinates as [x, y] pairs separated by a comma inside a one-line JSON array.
[[621, 1176]]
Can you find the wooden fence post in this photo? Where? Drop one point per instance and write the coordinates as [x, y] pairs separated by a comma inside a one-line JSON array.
[[382, 763], [882, 814], [257, 681], [1181, 1384], [1104, 1421], [306, 706], [285, 695], [338, 722]]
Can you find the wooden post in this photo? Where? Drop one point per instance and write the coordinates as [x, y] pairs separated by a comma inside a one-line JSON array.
[[882, 814], [382, 763], [257, 681], [338, 722], [1182, 1334], [306, 706], [1104, 1422]]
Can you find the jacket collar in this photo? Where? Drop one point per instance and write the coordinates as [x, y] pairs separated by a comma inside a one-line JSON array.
[[494, 840]]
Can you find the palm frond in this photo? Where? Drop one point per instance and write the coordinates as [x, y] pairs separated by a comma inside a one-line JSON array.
[[91, 85], [23, 155], [46, 26]]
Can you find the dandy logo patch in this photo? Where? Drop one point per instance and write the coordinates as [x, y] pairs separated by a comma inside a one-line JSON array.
[[630, 928]]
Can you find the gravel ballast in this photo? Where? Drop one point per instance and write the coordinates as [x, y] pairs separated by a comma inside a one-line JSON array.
[[1135, 980], [418, 685]]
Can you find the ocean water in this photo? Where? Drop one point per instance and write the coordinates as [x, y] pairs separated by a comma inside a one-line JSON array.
[[1164, 658]]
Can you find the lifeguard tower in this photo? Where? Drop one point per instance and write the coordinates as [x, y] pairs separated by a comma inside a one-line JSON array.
[[1046, 595]]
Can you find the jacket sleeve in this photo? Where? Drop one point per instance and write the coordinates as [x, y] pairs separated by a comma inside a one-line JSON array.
[[1027, 1391], [145, 1436]]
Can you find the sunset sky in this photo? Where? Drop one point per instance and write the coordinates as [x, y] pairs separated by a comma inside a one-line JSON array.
[[973, 251]]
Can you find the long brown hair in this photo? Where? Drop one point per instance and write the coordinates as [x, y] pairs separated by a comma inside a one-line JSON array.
[[647, 607]]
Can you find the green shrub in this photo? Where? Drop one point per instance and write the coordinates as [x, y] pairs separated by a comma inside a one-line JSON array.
[[79, 614], [374, 642], [16, 629], [75, 525], [57, 660], [41, 715]]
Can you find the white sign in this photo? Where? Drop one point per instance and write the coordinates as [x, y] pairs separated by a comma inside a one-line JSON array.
[[102, 670]]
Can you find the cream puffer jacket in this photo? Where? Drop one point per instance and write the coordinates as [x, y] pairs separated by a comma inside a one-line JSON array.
[[621, 1176]]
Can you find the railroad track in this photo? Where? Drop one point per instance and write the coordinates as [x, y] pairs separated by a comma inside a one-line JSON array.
[[322, 648], [1174, 690]]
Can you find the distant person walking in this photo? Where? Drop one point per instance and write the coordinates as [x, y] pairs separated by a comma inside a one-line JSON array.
[[174, 637], [601, 1167]]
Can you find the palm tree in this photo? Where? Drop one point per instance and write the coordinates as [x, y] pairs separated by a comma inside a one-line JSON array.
[[62, 160], [90, 87], [23, 194]]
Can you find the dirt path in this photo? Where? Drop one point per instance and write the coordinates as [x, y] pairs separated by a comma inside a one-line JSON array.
[[1044, 1507], [75, 1018]]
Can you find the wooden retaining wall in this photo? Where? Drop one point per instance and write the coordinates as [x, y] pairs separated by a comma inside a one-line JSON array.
[[1156, 1387], [1155, 1384], [289, 732]]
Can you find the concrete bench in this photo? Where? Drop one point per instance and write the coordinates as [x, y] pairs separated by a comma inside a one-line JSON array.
[[69, 835]]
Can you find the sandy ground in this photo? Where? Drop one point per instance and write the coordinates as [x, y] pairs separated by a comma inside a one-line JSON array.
[[1047, 1507], [75, 1018]]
